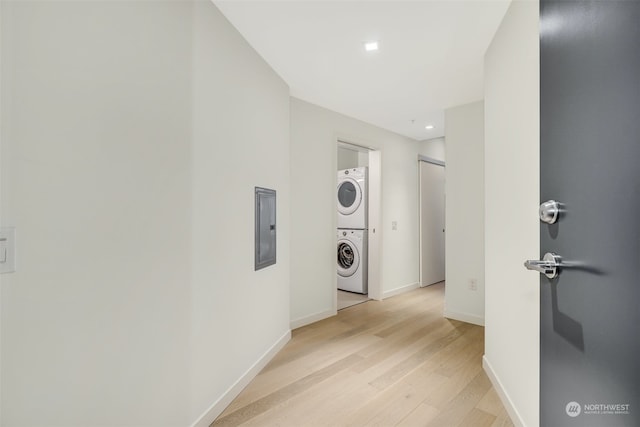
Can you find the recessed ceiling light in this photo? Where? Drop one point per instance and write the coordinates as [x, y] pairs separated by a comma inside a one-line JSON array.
[[371, 46], [429, 127]]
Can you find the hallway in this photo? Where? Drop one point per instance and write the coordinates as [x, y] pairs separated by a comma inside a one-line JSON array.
[[386, 363]]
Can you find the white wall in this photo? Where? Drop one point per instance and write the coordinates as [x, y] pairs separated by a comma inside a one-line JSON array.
[[240, 140], [132, 136], [314, 132], [464, 190], [96, 170], [347, 158], [1, 199], [512, 230], [433, 148], [363, 158]]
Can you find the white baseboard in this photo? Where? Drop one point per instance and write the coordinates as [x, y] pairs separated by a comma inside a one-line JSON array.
[[502, 393], [307, 320], [400, 290], [464, 317], [232, 392]]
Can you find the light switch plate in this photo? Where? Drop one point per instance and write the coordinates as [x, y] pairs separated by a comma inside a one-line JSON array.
[[7, 249]]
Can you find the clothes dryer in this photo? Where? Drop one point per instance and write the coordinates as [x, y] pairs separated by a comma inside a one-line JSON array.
[[352, 193], [352, 261]]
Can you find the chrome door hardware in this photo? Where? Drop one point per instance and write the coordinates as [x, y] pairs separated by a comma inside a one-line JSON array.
[[548, 266], [549, 211]]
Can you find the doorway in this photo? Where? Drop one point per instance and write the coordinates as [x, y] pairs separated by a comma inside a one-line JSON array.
[[352, 156], [432, 220]]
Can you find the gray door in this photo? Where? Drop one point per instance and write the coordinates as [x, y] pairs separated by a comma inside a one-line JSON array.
[[590, 162]]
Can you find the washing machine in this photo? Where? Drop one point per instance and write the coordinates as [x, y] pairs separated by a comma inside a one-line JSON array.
[[352, 261], [352, 198]]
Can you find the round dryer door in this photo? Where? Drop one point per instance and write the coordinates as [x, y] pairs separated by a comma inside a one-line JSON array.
[[348, 258], [349, 196]]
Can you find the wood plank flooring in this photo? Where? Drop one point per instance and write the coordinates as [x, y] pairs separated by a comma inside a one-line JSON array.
[[396, 362], [348, 299]]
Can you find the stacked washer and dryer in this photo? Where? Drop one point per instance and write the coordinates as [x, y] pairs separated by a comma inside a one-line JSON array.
[[352, 230]]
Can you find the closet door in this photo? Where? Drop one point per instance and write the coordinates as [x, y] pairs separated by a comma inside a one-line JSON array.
[[432, 228]]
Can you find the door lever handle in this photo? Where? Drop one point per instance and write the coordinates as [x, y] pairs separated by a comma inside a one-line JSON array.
[[549, 265]]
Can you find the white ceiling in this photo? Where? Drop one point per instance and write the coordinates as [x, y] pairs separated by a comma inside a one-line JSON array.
[[430, 57]]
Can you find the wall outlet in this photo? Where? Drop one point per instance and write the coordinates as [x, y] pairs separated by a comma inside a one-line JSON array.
[[473, 284], [394, 225]]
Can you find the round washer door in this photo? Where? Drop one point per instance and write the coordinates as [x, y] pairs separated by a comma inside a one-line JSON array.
[[349, 196], [348, 258]]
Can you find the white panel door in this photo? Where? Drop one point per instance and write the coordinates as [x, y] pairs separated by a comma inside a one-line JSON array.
[[432, 223]]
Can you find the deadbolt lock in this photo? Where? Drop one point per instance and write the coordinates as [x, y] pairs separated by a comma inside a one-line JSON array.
[[549, 211]]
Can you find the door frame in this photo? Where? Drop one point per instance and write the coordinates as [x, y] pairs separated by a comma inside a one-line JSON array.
[[374, 200], [437, 162]]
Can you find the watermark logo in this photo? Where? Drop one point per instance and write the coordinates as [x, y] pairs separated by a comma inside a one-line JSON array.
[[606, 409], [573, 409]]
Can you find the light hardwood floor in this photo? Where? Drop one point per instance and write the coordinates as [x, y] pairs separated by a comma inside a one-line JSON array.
[[348, 299], [396, 362]]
